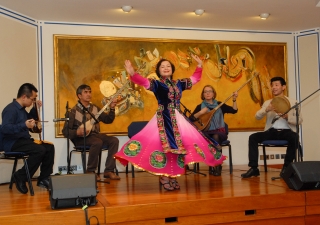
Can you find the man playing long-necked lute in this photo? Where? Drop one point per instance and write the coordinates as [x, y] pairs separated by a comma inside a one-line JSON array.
[[93, 138]]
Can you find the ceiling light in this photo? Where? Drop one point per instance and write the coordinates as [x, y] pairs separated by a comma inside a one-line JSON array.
[[199, 12], [126, 8], [264, 16]]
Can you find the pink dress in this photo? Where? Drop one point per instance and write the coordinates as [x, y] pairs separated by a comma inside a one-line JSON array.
[[169, 141]]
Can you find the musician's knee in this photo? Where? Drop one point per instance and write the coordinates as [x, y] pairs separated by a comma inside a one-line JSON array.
[[40, 150], [97, 143], [114, 141]]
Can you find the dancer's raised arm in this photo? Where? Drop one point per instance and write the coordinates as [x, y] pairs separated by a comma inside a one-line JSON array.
[[195, 78], [135, 77]]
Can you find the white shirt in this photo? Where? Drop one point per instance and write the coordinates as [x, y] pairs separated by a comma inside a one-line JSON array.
[[280, 124]]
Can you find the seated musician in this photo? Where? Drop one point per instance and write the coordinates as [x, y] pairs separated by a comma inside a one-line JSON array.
[[216, 127], [94, 139], [16, 122], [282, 129]]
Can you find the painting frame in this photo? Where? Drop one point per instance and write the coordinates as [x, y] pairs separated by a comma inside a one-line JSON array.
[[87, 59]]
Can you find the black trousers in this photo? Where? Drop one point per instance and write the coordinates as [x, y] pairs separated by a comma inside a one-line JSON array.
[[39, 154], [96, 142], [217, 136], [273, 134]]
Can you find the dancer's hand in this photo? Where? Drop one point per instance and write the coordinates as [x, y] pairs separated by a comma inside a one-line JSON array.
[[197, 59], [128, 66]]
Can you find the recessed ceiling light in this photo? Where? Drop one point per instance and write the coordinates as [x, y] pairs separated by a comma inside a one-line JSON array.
[[264, 16], [199, 12], [126, 8]]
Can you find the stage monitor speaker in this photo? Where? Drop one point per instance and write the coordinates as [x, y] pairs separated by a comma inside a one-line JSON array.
[[303, 175], [72, 190]]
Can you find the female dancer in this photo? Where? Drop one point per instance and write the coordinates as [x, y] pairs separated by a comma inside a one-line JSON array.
[[168, 142], [217, 125]]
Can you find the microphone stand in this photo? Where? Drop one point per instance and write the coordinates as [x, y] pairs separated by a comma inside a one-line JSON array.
[[66, 119], [195, 165], [297, 145], [185, 109], [68, 138], [84, 120]]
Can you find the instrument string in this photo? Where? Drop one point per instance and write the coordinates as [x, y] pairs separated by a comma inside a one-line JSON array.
[[203, 121]]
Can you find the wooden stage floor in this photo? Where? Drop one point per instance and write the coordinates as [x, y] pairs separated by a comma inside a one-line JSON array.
[[227, 199]]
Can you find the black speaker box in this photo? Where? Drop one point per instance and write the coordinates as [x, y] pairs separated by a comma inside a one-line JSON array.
[[72, 190], [303, 175]]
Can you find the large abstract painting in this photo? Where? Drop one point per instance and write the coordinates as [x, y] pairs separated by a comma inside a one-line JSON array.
[[98, 62]]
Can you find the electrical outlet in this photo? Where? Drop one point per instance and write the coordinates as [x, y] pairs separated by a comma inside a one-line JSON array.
[[80, 167], [74, 168], [62, 168], [267, 157]]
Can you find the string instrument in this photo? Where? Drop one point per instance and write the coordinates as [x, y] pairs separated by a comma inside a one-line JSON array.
[[203, 121], [37, 129], [37, 126], [90, 123], [280, 104]]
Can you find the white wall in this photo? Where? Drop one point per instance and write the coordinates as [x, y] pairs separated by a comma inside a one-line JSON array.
[[308, 67], [18, 63], [239, 140], [18, 56]]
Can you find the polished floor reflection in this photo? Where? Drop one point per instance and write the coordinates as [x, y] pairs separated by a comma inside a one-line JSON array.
[[140, 200]]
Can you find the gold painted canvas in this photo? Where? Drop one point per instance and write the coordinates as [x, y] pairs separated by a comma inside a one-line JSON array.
[[98, 62]]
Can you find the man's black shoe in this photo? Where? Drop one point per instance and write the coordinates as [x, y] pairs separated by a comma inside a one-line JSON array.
[[43, 183], [20, 184], [251, 172], [283, 170]]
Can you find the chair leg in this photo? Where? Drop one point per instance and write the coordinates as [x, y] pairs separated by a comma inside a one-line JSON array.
[[132, 170], [230, 160], [69, 163], [70, 155], [83, 157], [14, 168], [264, 158], [28, 177], [99, 162], [300, 153], [195, 167], [127, 170]]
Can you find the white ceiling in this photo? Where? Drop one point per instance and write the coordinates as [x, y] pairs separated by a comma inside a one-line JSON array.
[[285, 15]]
